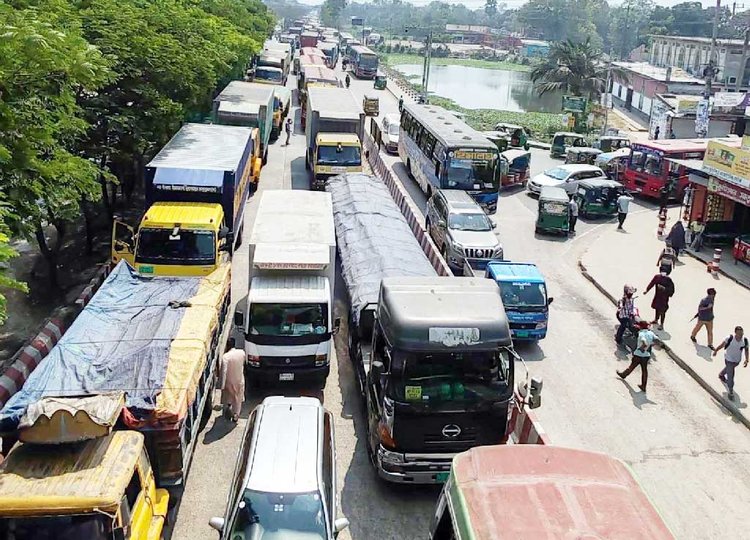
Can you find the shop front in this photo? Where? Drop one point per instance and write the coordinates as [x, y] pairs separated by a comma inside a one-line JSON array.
[[719, 196]]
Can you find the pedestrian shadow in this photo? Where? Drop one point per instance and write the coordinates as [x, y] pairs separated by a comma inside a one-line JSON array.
[[220, 429], [639, 397], [663, 335], [704, 352]]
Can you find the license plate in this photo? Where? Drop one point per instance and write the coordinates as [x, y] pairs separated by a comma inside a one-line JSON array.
[[286, 376], [522, 333], [442, 476], [338, 169]]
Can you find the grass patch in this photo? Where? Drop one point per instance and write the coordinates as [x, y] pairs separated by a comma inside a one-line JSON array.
[[542, 125], [394, 59]]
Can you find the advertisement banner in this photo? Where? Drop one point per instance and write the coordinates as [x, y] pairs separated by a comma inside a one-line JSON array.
[[735, 193], [702, 113], [729, 164], [573, 104]]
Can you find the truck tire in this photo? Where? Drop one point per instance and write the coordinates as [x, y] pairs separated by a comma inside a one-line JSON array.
[[207, 410]]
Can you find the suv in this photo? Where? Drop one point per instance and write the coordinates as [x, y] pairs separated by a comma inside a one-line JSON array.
[[461, 230], [284, 482]]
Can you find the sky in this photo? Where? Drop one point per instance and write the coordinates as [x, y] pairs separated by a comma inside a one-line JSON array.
[[516, 3]]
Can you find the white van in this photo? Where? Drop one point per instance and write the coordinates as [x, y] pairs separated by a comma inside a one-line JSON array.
[[389, 128]]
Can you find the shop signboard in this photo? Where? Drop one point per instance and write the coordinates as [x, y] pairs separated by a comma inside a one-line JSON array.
[[573, 104], [687, 105], [729, 164], [735, 193]]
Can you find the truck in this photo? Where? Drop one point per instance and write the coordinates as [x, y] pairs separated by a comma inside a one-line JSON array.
[[308, 39], [281, 105], [286, 320], [334, 132], [284, 50], [251, 105], [196, 190], [158, 340], [524, 294], [99, 489], [433, 355], [331, 50], [271, 68]]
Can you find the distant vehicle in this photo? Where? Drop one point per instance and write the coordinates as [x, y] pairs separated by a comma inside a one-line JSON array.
[[517, 135], [364, 62], [576, 494], [583, 154], [610, 143], [442, 152], [564, 176], [562, 140], [461, 230], [553, 211], [613, 163], [285, 477]]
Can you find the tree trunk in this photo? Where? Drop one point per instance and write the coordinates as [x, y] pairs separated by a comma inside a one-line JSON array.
[[107, 200], [87, 219], [50, 256]]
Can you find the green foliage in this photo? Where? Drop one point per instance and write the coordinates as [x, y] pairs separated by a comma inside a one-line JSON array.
[[574, 68], [330, 12]]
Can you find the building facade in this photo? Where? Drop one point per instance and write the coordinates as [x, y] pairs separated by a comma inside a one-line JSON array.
[[692, 55]]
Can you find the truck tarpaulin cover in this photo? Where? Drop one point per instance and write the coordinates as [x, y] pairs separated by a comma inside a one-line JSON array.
[[373, 237], [129, 338]]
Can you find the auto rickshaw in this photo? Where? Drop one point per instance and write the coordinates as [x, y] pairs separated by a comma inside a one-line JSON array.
[[517, 135], [597, 198], [381, 81], [554, 211], [585, 155], [563, 140], [499, 139], [516, 173], [613, 163], [371, 105], [610, 143]]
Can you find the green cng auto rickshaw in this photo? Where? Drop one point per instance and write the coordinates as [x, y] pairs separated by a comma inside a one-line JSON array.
[[499, 139], [563, 140], [613, 163], [554, 211], [585, 154], [381, 81], [610, 143], [371, 105], [597, 198], [516, 134]]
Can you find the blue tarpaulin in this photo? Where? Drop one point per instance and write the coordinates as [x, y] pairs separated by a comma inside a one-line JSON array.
[[119, 342]]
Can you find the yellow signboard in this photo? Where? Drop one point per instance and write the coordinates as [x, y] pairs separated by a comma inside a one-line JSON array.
[[729, 164]]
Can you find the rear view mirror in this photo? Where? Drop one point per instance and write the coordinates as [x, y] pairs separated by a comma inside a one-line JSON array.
[[239, 319], [550, 300], [216, 523], [535, 395], [494, 225], [441, 223], [118, 533], [336, 325], [223, 233], [339, 525]]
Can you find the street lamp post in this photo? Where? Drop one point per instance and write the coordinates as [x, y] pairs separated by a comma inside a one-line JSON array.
[[426, 62]]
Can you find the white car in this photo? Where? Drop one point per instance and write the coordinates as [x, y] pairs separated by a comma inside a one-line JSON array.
[[565, 176], [389, 129]]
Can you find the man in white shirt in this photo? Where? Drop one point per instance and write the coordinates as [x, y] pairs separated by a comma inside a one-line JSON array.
[[232, 381], [641, 354], [623, 205], [733, 346], [573, 207]]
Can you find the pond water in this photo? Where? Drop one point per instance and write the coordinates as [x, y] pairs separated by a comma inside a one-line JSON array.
[[478, 88]]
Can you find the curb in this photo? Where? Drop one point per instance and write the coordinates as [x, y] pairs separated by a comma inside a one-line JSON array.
[[722, 272], [25, 361], [723, 401]]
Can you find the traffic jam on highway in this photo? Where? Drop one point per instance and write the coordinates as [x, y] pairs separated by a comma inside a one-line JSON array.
[[431, 316]]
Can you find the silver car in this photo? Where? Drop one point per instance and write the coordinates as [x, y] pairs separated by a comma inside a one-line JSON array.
[[284, 483], [565, 176], [389, 130], [461, 230]]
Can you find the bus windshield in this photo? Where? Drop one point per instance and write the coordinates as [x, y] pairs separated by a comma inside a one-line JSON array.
[[450, 377], [646, 162], [368, 61], [476, 172], [180, 246]]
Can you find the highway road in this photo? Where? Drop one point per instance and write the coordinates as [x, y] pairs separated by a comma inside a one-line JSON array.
[[690, 456]]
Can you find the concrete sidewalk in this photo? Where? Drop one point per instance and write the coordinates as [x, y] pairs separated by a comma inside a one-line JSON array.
[[618, 257]]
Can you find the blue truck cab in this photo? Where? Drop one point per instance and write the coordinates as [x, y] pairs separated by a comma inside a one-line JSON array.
[[524, 294]]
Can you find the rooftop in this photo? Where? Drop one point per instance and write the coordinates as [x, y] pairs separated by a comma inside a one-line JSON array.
[[659, 73], [701, 40]]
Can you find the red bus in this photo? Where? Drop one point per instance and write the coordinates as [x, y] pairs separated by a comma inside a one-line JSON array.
[[650, 164]]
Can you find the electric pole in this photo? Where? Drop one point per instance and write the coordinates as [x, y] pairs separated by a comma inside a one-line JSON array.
[[710, 71], [425, 62]]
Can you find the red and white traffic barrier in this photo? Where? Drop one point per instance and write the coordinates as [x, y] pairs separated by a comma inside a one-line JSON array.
[[524, 428], [662, 223], [713, 265]]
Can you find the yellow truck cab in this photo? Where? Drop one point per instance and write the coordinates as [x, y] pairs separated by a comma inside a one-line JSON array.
[[174, 239], [337, 153], [99, 489]]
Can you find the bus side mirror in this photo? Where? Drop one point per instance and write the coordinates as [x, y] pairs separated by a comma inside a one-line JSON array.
[[216, 523], [239, 319], [550, 300]]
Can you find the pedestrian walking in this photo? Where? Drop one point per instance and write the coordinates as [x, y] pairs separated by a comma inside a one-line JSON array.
[[697, 227], [623, 205], [663, 290], [676, 237], [573, 209], [663, 198], [667, 259], [656, 132], [232, 381], [288, 129], [401, 104], [705, 317], [641, 354], [625, 311], [733, 346]]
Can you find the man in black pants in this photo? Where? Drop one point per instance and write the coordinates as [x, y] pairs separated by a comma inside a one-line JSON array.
[[623, 204]]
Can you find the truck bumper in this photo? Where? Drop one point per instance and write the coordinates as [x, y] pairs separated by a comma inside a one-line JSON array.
[[527, 334], [413, 468], [268, 376]]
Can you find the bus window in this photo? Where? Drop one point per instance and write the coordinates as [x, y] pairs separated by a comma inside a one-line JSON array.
[[652, 164]]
